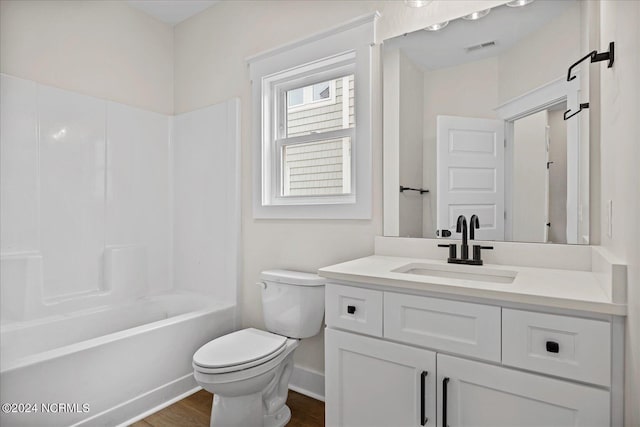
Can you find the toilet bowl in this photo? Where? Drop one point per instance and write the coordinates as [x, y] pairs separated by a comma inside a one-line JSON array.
[[248, 371]]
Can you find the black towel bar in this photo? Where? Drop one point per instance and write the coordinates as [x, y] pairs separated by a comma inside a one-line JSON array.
[[421, 190]]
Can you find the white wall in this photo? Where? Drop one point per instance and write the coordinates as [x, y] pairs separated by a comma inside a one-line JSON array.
[[542, 56], [206, 155], [411, 142], [620, 157], [391, 137], [210, 69], [85, 199], [105, 49]]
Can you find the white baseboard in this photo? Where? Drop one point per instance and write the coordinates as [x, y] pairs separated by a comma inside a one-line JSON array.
[[304, 381], [307, 382], [144, 405]]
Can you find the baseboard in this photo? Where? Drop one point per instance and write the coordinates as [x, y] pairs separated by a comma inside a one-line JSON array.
[[144, 405], [307, 382], [304, 381]]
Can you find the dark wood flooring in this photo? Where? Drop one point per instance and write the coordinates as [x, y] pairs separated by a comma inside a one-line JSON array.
[[195, 410]]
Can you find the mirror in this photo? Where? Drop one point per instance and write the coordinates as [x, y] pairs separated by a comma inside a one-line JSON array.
[[473, 124]]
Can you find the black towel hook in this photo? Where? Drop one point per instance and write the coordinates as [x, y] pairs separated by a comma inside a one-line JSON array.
[[583, 106], [595, 57]]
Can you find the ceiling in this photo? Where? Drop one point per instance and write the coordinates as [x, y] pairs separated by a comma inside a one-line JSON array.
[[172, 11], [505, 26]]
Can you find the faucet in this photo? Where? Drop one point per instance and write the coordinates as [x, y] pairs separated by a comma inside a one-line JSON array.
[[461, 227], [474, 224]]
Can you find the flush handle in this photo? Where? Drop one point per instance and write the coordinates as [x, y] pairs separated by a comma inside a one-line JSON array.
[[553, 347], [351, 309]]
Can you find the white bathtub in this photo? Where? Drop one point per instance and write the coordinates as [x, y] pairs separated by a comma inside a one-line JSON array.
[[106, 365]]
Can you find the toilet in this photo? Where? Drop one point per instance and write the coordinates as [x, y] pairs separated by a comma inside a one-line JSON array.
[[248, 371]]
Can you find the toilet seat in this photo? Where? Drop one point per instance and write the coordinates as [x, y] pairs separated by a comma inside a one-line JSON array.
[[238, 350]]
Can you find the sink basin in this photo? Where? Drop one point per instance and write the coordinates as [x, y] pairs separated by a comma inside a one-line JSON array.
[[464, 272]]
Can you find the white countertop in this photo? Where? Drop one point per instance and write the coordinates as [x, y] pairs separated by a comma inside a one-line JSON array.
[[565, 289]]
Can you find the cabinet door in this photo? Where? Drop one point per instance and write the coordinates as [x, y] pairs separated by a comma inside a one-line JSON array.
[[478, 394], [370, 382]]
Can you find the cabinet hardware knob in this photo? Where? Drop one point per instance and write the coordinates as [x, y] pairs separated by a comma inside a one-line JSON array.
[[351, 309], [553, 347]]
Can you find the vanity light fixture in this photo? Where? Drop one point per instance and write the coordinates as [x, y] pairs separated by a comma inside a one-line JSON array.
[[417, 3], [519, 3], [477, 15], [436, 27]]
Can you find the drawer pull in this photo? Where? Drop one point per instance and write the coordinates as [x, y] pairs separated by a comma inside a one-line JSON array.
[[351, 309], [553, 347], [423, 418], [445, 383]]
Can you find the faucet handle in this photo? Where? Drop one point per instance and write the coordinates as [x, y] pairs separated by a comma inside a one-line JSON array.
[[477, 251], [453, 252]]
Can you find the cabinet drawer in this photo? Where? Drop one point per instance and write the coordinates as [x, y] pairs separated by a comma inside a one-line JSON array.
[[568, 347], [354, 309], [451, 326]]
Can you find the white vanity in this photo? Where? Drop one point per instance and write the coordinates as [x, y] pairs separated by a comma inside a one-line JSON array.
[[414, 341]]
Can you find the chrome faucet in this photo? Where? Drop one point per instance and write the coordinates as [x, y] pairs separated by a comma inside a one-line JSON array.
[[461, 227]]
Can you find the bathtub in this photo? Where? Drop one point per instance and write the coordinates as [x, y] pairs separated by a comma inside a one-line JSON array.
[[108, 365]]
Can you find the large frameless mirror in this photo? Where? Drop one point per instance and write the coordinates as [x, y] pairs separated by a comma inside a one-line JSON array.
[[474, 124]]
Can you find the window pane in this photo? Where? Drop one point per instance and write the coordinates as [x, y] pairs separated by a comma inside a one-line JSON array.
[[294, 97], [326, 106], [317, 168], [321, 91]]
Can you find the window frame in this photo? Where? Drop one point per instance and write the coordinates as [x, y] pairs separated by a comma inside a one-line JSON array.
[[275, 89], [303, 63]]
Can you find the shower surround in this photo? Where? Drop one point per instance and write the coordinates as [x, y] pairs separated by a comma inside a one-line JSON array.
[[112, 237]]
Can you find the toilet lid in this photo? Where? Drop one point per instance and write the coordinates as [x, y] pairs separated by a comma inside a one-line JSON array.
[[239, 348]]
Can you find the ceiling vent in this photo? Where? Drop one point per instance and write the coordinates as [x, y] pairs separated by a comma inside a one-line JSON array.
[[477, 47]]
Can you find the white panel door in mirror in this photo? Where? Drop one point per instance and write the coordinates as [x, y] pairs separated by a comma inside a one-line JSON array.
[[470, 174]]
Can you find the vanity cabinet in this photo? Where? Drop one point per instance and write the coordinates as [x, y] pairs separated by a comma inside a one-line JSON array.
[[378, 383], [394, 359]]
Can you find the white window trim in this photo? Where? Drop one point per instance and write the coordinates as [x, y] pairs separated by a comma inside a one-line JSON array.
[[357, 38]]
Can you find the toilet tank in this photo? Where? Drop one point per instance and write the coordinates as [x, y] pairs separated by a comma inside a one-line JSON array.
[[292, 302]]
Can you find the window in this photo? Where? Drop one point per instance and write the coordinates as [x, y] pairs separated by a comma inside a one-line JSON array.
[[315, 137], [312, 96], [313, 127]]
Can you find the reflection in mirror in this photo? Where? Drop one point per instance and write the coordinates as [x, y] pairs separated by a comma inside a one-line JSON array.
[[473, 112]]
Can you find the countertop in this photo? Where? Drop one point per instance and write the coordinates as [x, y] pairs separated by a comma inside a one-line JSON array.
[[564, 289]]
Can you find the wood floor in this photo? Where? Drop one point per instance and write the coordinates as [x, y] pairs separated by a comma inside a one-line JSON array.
[[195, 410]]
